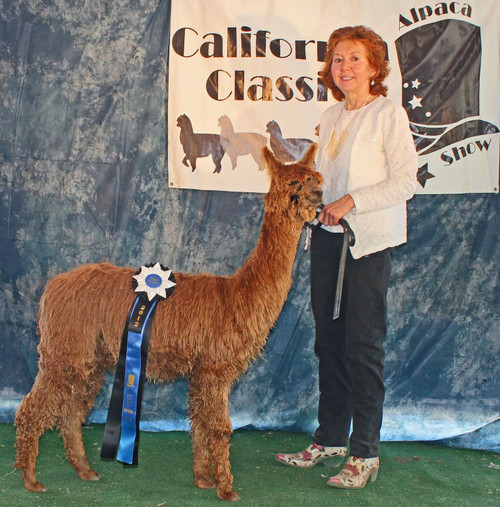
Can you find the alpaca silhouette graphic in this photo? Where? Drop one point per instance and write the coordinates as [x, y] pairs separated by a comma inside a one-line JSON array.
[[242, 143], [197, 145]]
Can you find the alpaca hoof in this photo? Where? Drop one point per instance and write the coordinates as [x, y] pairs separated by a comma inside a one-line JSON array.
[[230, 496], [36, 487], [204, 483], [30, 482], [89, 476]]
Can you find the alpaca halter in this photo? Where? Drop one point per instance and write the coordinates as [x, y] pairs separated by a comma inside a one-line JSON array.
[[294, 198], [151, 283]]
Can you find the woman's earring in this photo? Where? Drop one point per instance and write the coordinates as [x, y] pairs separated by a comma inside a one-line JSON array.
[[372, 82]]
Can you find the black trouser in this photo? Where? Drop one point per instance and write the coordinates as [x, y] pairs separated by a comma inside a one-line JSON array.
[[350, 349]]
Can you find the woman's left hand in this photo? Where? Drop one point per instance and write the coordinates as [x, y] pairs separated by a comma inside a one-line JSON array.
[[334, 211]]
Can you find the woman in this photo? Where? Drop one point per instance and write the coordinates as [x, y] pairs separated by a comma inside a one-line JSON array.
[[369, 163]]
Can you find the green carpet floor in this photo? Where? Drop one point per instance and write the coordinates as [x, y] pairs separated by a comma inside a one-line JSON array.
[[412, 474]]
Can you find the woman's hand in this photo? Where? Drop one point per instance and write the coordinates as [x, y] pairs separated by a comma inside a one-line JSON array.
[[333, 212]]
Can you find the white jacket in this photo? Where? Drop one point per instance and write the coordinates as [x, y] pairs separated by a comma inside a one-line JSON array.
[[382, 173]]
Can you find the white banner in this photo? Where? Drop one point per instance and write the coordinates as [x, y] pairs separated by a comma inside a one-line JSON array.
[[242, 74]]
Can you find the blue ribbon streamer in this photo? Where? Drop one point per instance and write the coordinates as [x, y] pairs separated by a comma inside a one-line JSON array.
[[121, 432], [130, 407]]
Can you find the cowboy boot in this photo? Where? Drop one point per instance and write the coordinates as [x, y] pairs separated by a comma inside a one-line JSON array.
[[312, 455], [356, 473]]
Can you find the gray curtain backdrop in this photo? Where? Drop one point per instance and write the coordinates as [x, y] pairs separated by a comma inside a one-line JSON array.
[[83, 178]]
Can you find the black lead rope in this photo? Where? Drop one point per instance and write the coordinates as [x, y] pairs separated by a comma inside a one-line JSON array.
[[349, 240]]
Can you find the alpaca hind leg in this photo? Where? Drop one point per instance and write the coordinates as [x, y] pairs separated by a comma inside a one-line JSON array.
[[84, 394], [36, 413]]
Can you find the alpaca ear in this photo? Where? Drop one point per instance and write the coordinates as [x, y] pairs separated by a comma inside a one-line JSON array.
[[308, 158], [270, 160]]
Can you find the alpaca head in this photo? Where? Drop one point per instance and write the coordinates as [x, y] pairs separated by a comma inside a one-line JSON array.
[[183, 120], [224, 121], [295, 187], [272, 126]]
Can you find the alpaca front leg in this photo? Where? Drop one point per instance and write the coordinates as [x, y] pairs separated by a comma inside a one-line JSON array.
[[192, 161], [201, 461], [71, 433], [213, 446], [212, 430], [219, 447]]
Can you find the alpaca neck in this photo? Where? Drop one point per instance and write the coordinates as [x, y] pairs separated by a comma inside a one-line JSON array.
[[268, 269], [186, 133], [277, 243], [228, 130]]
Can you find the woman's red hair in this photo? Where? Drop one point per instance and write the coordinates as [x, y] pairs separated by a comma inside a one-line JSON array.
[[376, 50]]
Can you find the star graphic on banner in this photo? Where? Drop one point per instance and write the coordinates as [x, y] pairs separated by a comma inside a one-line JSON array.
[[416, 83], [423, 174], [415, 102]]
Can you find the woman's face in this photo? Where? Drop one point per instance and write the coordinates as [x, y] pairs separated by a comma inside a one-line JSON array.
[[350, 69]]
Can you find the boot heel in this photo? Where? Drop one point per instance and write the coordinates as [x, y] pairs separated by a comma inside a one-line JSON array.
[[374, 475]]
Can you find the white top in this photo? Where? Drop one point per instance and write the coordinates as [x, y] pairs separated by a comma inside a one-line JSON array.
[[369, 154]]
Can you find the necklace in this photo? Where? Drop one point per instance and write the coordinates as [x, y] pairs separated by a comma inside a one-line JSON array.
[[341, 129], [362, 105]]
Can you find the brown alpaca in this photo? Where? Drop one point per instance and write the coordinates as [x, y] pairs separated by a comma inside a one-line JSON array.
[[208, 331]]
